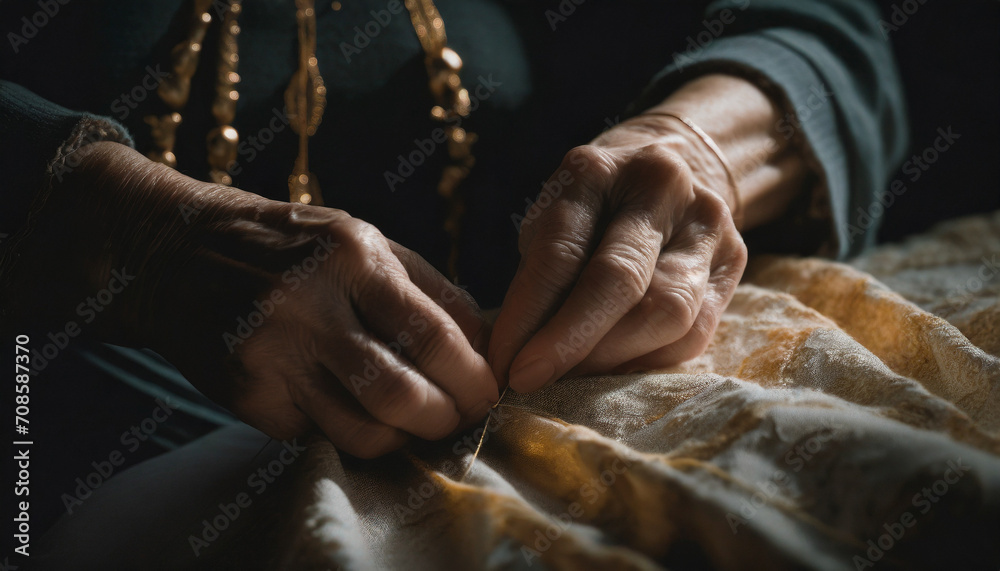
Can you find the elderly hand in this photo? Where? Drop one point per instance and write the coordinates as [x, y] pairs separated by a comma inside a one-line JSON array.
[[630, 253], [290, 315], [629, 267]]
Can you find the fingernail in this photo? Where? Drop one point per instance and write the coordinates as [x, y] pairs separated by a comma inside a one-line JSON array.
[[532, 375]]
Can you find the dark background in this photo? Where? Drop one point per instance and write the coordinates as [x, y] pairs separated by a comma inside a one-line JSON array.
[[949, 57], [948, 53]]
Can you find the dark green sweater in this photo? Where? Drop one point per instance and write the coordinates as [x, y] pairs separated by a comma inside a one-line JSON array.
[[548, 76]]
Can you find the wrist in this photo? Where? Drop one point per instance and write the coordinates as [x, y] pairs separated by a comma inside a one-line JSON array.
[[116, 228], [708, 166]]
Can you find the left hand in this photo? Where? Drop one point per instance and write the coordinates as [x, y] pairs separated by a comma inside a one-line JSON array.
[[627, 261]]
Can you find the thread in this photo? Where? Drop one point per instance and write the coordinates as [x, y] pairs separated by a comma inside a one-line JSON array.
[[482, 437]]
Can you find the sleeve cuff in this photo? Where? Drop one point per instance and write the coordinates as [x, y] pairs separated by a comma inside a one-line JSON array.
[[37, 142], [795, 85]]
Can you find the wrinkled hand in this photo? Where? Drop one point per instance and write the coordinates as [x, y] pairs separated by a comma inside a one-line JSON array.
[[627, 263], [290, 315]]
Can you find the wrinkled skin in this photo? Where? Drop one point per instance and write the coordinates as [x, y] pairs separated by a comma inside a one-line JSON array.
[[298, 317], [363, 338], [628, 268]]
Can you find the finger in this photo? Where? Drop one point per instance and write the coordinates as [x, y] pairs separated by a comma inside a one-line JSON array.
[[613, 282], [385, 384], [728, 263], [692, 344], [669, 307], [650, 190], [343, 421], [459, 304], [665, 314], [413, 325], [555, 243]]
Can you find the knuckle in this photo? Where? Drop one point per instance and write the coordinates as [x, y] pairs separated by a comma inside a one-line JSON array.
[[675, 305], [559, 249], [351, 251], [590, 162], [555, 220], [554, 263], [359, 238], [714, 212], [622, 276], [660, 164], [361, 255], [738, 256], [657, 176], [701, 333], [730, 260]]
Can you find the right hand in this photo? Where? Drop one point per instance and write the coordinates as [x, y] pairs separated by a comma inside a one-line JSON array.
[[289, 315]]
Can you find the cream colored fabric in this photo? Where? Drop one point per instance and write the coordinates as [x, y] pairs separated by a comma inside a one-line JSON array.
[[831, 424]]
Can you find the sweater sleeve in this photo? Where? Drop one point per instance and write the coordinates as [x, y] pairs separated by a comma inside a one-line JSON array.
[[37, 142], [837, 76]]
